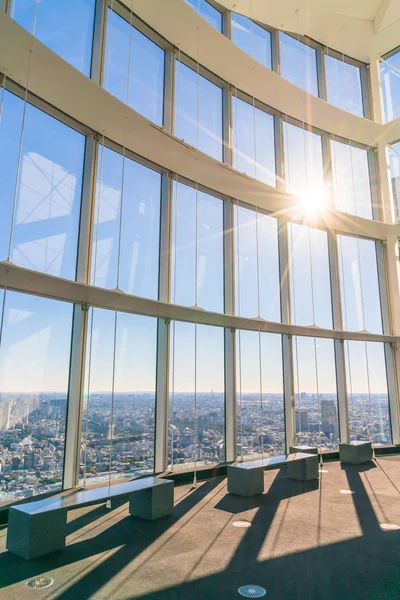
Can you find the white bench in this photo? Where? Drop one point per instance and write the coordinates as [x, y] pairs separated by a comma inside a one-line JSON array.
[[247, 478], [38, 528]]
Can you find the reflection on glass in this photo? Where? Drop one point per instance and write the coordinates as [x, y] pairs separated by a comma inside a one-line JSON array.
[[257, 281], [259, 396], [134, 68], [198, 111], [351, 180], [197, 239], [343, 85], [65, 27], [304, 167], [298, 63], [367, 392], [126, 246], [359, 284], [34, 373], [253, 141], [46, 184], [394, 162], [119, 405], [196, 417], [316, 408], [309, 276], [390, 81], [208, 12], [251, 38]]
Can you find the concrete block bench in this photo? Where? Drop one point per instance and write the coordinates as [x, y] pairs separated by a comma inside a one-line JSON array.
[[38, 528], [356, 452], [302, 466], [247, 478]]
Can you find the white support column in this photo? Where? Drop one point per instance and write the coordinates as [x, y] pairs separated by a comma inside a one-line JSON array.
[[161, 416], [375, 90], [287, 349], [339, 344], [384, 184], [79, 329], [230, 337], [389, 282], [75, 398], [163, 346]]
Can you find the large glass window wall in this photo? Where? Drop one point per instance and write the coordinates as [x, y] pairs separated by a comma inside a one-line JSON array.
[[65, 27], [252, 39], [196, 415], [34, 373], [122, 354], [259, 395], [343, 85], [134, 67], [390, 80], [41, 169]]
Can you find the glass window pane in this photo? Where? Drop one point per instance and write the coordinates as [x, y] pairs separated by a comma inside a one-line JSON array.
[[359, 284], [309, 276], [251, 38], [208, 12], [316, 408], [197, 269], [298, 63], [257, 281], [390, 80], [259, 396], [304, 169], [198, 111], [196, 395], [368, 403], [126, 246], [343, 85], [351, 180], [253, 142], [34, 373], [65, 27], [134, 68], [119, 406], [45, 183], [394, 163]]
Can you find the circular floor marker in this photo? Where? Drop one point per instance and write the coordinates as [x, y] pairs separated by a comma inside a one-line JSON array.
[[38, 583], [252, 591], [346, 492], [242, 524], [389, 526]]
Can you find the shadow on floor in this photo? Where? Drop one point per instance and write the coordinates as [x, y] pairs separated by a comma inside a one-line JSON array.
[[362, 568]]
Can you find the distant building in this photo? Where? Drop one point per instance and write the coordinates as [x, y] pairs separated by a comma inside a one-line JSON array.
[[15, 463], [301, 420], [328, 416], [29, 460]]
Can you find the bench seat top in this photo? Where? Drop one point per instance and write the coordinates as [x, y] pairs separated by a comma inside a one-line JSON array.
[[262, 463], [272, 461], [300, 456], [88, 497]]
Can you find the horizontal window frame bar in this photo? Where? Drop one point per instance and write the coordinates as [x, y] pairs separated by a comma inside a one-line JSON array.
[[18, 90], [19, 279], [191, 63], [123, 11]]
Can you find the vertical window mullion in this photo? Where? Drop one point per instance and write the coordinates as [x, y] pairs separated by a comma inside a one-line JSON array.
[[339, 344], [99, 36], [321, 74], [169, 87]]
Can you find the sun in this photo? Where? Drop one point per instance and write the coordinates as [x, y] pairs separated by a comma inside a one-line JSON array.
[[313, 200]]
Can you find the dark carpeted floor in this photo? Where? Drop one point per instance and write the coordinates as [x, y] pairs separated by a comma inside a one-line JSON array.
[[306, 541]]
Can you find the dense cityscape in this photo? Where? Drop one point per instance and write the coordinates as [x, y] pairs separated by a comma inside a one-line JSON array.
[[32, 433]]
